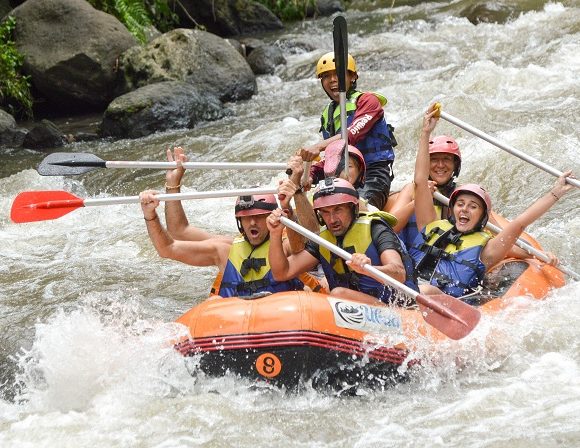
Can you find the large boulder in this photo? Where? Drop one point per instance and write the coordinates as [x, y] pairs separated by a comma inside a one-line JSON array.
[[198, 57], [264, 59], [227, 17], [44, 135], [71, 51], [159, 107]]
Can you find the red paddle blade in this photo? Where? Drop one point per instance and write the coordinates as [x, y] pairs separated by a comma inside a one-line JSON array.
[[449, 315], [30, 206]]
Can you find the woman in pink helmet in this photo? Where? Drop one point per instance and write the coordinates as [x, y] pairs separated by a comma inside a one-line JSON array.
[[444, 168], [453, 254]]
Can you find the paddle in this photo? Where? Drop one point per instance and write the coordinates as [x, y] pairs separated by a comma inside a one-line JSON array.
[[30, 206], [340, 36], [520, 242], [516, 152], [447, 314], [70, 164]]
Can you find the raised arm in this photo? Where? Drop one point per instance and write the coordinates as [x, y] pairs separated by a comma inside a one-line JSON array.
[[497, 248], [177, 223], [424, 210], [283, 267], [209, 252], [289, 189]]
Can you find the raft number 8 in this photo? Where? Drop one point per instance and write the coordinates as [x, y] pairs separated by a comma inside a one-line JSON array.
[[268, 365]]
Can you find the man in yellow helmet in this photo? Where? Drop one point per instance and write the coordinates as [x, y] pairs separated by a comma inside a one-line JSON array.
[[367, 129]]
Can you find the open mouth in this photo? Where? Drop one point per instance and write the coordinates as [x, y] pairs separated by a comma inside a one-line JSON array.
[[463, 220]]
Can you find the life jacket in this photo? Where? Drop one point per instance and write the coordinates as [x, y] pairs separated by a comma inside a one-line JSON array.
[[358, 239], [409, 233], [248, 271], [448, 259], [379, 141]]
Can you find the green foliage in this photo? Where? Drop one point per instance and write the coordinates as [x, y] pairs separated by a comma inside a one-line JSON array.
[[288, 10], [139, 15], [163, 17], [14, 87]]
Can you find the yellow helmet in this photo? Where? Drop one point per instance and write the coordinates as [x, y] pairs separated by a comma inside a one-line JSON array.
[[326, 63]]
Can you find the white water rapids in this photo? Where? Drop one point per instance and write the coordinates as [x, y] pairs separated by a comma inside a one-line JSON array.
[[86, 305]]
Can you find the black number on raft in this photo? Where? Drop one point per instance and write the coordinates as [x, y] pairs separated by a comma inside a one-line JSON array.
[[269, 365]]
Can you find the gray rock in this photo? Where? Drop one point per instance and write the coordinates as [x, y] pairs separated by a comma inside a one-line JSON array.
[[159, 107], [13, 138], [264, 59], [201, 58], [324, 8], [70, 49], [228, 17], [238, 46], [488, 12], [44, 135], [7, 121]]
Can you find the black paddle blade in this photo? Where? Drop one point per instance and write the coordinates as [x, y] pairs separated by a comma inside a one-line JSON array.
[[340, 36], [69, 164]]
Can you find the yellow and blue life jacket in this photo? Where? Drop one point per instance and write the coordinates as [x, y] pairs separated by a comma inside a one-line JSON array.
[[358, 239], [379, 141], [248, 271], [449, 260], [409, 233]]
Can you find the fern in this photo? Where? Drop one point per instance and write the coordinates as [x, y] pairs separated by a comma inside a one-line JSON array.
[[14, 87], [139, 15], [135, 17]]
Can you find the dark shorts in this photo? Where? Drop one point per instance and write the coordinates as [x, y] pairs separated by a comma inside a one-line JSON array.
[[378, 183]]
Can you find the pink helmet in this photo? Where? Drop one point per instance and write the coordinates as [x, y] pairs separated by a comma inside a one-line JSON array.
[[478, 191], [448, 145], [334, 191], [255, 205], [333, 160]]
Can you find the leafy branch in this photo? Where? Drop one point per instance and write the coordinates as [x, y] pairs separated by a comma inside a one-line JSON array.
[[14, 86]]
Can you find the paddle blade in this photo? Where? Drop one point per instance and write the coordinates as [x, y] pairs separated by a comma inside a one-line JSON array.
[[69, 164], [339, 34], [30, 206], [449, 315]]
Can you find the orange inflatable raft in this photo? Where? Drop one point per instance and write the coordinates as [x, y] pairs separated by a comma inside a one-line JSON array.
[[295, 338]]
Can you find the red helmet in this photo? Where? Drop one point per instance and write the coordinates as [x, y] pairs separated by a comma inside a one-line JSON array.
[[480, 193], [448, 145], [333, 160], [334, 191], [260, 204]]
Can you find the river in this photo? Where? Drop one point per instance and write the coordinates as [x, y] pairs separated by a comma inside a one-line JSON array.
[[86, 305]]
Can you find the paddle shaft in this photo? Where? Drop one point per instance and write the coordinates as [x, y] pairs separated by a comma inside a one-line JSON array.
[[195, 165], [520, 242], [347, 256], [516, 152], [340, 36], [161, 197]]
